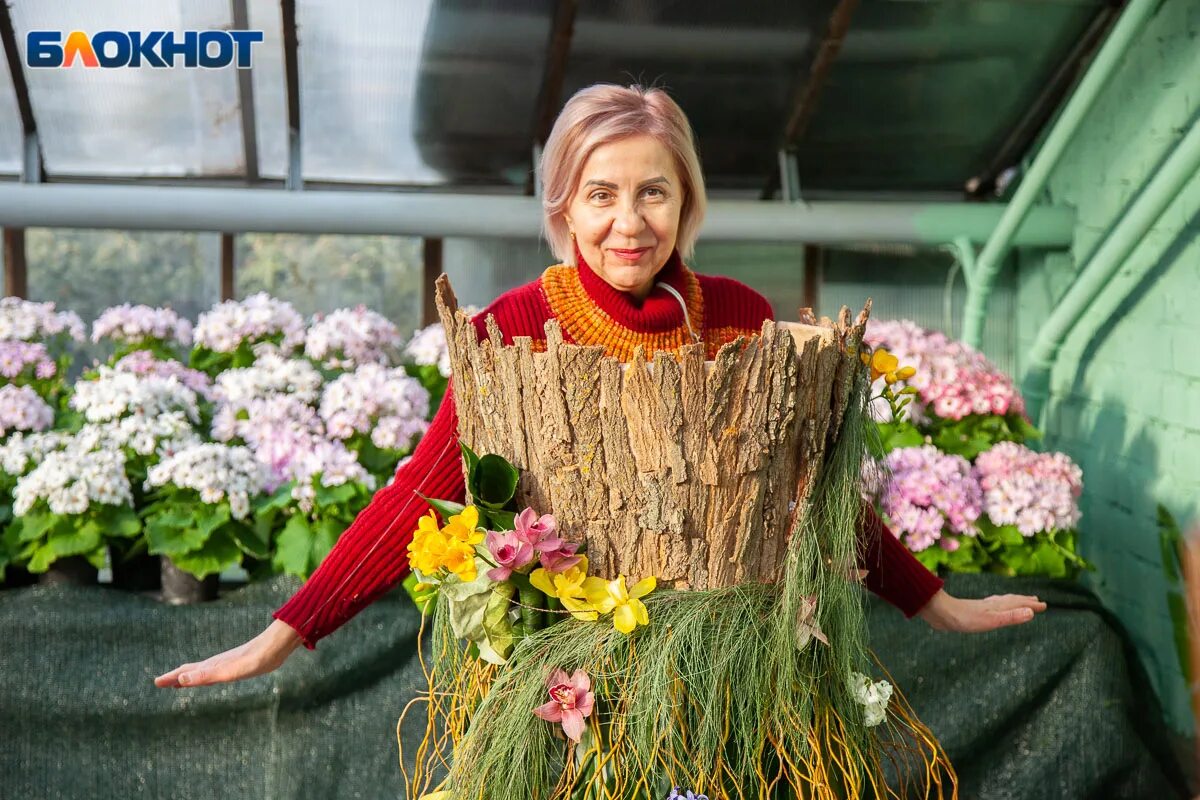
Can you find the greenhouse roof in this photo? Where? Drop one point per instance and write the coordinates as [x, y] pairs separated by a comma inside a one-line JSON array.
[[903, 97]]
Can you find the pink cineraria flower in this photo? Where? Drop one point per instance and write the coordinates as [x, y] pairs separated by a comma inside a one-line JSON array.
[[571, 701], [511, 553]]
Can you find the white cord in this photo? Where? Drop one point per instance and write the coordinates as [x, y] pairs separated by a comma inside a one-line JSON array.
[[686, 319]]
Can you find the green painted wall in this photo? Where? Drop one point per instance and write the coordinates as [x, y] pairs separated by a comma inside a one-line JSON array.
[[1125, 391]]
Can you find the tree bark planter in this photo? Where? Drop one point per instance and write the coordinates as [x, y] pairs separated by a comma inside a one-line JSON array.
[[70, 571], [181, 588], [690, 470]]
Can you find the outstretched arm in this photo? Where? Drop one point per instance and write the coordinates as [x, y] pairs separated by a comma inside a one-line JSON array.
[[898, 577]]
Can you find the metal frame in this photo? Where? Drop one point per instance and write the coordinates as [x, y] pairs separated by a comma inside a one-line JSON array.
[[562, 29], [241, 21], [291, 64]]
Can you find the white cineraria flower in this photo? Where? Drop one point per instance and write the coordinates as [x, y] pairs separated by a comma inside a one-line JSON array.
[[386, 403], [22, 452], [143, 362], [30, 322], [428, 346], [161, 436], [872, 695], [115, 394], [23, 409], [216, 472], [259, 316], [350, 337], [128, 324], [271, 374], [71, 480]]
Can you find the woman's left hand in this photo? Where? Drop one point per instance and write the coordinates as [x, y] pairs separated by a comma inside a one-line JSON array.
[[945, 612]]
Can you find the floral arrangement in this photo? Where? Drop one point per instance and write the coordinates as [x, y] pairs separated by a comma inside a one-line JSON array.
[[520, 596], [351, 337], [953, 469]]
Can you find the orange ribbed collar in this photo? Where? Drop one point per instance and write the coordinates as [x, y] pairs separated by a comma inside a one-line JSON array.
[[592, 312]]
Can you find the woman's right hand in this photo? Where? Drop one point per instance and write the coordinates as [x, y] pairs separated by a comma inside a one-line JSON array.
[[262, 654]]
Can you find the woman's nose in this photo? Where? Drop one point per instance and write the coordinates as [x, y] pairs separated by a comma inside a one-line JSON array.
[[629, 221]]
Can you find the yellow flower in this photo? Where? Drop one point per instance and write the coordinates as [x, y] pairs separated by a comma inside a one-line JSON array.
[[567, 586], [628, 611], [882, 362], [460, 560], [464, 527]]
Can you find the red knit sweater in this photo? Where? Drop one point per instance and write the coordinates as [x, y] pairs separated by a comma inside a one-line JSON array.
[[371, 556]]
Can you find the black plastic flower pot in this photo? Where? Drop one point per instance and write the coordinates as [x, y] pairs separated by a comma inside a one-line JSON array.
[[180, 588], [70, 571], [139, 573], [17, 577]]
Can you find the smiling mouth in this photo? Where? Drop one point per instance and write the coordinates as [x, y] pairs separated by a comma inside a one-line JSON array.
[[631, 254]]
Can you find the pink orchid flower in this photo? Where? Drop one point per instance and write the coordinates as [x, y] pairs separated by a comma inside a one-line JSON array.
[[571, 701], [537, 531], [562, 558], [510, 553]]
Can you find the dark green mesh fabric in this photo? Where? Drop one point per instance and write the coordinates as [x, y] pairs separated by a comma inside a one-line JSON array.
[[1053, 709]]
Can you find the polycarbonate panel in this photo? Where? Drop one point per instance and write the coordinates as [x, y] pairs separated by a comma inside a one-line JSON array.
[[133, 121], [922, 95], [358, 83], [730, 66], [270, 89], [10, 124]]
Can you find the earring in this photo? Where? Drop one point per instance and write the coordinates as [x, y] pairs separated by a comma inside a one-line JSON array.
[[572, 236]]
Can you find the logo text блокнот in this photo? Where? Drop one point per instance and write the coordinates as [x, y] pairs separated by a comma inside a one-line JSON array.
[[161, 49]]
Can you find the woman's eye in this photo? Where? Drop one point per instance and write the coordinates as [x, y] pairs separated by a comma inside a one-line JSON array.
[[657, 191], [600, 196]]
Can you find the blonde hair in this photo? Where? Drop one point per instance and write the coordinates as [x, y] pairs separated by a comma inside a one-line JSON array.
[[605, 113]]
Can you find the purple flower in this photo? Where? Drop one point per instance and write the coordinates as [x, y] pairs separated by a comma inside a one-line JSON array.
[[511, 553]]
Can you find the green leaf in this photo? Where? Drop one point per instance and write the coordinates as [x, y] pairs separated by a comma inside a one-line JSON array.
[[445, 508], [469, 456], [494, 481], [124, 521], [210, 521], [424, 599], [72, 541], [280, 498], [217, 554], [34, 525], [172, 540], [293, 547], [324, 538], [248, 540], [496, 624], [499, 520], [334, 495]]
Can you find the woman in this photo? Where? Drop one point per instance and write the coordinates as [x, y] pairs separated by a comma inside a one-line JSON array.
[[623, 201]]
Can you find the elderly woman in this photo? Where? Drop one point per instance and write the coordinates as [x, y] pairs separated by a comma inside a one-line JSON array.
[[623, 200]]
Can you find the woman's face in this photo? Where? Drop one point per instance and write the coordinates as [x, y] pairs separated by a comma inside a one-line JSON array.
[[625, 212]]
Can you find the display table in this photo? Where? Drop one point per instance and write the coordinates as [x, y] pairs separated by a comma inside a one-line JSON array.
[[1052, 709]]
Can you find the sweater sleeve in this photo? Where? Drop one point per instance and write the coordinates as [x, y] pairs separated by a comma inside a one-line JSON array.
[[371, 556], [893, 572]]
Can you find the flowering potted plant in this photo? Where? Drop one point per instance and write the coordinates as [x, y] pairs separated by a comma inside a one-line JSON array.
[[198, 517], [158, 331], [40, 324], [67, 507], [350, 337]]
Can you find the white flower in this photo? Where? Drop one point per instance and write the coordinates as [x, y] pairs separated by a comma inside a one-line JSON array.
[[22, 452], [428, 346], [216, 472], [254, 319], [271, 374], [128, 324], [873, 696], [115, 394], [23, 409], [30, 322], [350, 337], [386, 403], [70, 480]]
